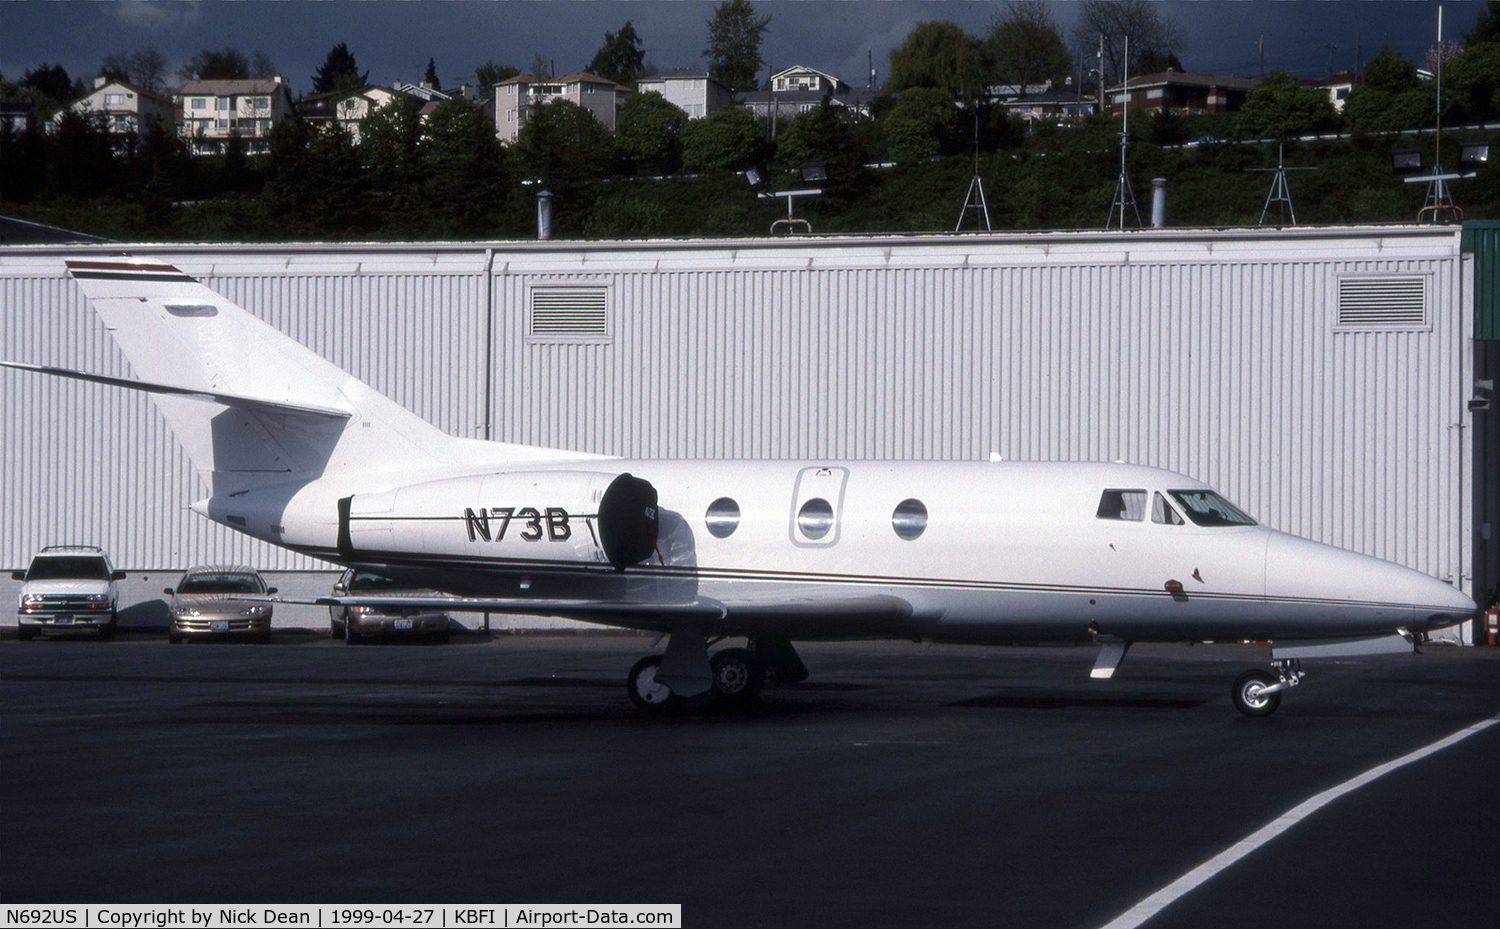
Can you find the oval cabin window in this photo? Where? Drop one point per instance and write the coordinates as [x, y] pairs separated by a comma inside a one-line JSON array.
[[815, 518], [723, 518], [910, 519]]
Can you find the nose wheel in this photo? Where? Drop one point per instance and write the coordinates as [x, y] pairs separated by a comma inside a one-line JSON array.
[[1258, 693], [736, 678], [647, 693]]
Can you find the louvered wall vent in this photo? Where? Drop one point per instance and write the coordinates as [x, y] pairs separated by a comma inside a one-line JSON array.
[[569, 314], [1382, 302]]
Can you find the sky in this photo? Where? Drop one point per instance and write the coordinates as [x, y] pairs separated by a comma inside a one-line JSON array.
[[393, 39]]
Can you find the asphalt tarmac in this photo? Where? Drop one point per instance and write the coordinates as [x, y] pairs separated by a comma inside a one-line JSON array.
[[898, 786]]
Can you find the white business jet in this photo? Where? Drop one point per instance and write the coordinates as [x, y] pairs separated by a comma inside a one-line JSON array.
[[299, 453]]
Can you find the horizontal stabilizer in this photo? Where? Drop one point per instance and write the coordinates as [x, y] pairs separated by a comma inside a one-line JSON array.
[[255, 403]]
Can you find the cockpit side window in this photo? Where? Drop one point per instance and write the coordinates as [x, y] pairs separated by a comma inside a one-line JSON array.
[[1163, 512], [1207, 508], [1123, 505]]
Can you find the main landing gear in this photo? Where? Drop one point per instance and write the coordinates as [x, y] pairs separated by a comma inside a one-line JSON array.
[[734, 676], [1258, 693]]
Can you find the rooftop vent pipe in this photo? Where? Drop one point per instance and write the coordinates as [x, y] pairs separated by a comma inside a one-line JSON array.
[[544, 200]]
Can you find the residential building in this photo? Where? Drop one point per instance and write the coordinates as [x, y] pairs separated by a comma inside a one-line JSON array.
[[1063, 105], [803, 78], [799, 89], [127, 110], [213, 111], [1181, 93], [422, 91], [1338, 87], [515, 97], [17, 115], [346, 108], [693, 92]]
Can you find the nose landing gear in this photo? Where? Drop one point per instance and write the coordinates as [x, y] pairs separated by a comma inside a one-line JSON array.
[[736, 675], [1258, 693]]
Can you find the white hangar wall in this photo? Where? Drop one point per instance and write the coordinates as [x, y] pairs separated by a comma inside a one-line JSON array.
[[1215, 353]]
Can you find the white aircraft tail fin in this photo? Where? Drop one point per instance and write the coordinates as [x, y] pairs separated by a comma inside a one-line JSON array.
[[250, 405]]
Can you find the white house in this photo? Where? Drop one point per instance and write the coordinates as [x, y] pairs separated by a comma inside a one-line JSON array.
[[213, 111], [693, 92], [346, 108], [127, 109]]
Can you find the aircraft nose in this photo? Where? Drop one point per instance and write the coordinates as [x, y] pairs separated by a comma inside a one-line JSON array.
[[1436, 604], [1360, 590]]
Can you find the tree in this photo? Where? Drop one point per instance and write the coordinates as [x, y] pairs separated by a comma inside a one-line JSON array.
[[621, 58], [1151, 34], [1025, 45], [923, 123], [389, 143], [148, 70], [489, 74], [1280, 107], [729, 138], [227, 64], [431, 76], [648, 136], [1391, 99], [1486, 26], [52, 81], [1471, 85], [939, 54], [733, 51], [339, 71], [563, 145], [261, 66], [463, 170], [824, 133]]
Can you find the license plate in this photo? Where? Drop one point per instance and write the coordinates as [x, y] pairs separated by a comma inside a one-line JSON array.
[[218, 625], [403, 624], [63, 619]]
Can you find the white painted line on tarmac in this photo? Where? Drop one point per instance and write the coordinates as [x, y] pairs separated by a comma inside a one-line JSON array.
[[1190, 881]]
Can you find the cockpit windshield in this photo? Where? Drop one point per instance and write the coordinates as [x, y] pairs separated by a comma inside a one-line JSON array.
[[1206, 508]]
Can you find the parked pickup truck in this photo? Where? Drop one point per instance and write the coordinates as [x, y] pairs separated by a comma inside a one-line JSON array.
[[68, 588]]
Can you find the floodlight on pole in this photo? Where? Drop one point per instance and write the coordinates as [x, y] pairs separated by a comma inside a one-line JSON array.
[[814, 171], [1472, 156]]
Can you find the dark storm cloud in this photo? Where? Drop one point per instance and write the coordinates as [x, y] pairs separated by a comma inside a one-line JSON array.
[[393, 40]]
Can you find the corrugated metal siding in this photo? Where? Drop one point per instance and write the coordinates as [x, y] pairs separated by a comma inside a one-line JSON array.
[[1215, 355]]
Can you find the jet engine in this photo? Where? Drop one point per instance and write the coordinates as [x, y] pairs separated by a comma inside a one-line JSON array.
[[576, 517]]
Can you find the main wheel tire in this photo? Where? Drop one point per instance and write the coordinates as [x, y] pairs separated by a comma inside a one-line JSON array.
[[737, 676], [647, 693], [1250, 697]]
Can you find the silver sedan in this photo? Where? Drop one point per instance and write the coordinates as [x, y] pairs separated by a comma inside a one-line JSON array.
[[210, 601]]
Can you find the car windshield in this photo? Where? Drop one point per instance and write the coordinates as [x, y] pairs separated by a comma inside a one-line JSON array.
[[224, 582], [1207, 508], [68, 567], [364, 580]]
